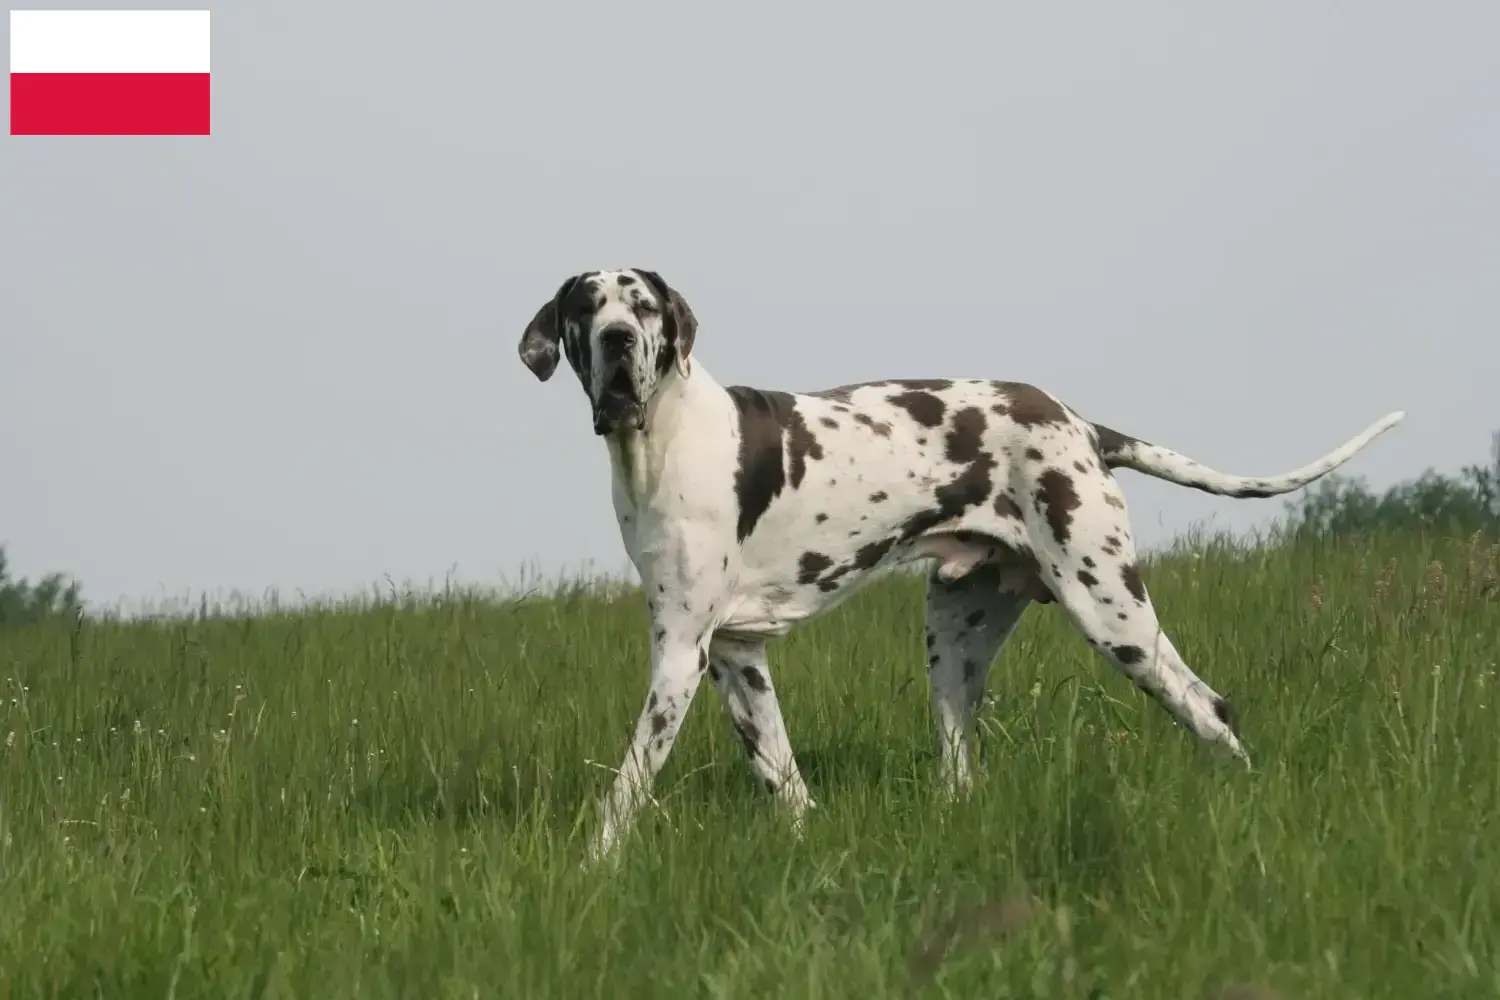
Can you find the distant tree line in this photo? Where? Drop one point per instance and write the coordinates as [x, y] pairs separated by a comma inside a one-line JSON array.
[[1432, 502], [23, 602]]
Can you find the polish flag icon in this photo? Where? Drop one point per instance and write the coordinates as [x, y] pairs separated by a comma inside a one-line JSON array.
[[109, 72]]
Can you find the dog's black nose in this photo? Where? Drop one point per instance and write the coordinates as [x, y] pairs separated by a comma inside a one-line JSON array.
[[616, 340]]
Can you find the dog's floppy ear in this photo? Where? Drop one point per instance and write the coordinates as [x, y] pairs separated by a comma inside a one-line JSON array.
[[538, 347], [681, 324]]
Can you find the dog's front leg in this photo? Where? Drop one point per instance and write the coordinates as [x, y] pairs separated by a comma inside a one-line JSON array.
[[678, 659]]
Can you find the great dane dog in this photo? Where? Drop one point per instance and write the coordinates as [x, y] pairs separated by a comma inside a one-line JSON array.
[[748, 511]]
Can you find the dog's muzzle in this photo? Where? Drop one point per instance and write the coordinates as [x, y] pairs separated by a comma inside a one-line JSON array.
[[612, 414], [618, 406]]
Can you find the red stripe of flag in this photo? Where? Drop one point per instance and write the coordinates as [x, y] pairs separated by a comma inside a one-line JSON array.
[[109, 104]]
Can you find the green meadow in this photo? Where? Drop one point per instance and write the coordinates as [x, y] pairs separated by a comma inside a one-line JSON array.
[[390, 799]]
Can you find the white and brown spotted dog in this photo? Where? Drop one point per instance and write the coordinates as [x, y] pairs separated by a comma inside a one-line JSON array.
[[748, 511]]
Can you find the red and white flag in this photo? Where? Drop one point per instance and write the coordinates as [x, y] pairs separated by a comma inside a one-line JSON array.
[[109, 72]]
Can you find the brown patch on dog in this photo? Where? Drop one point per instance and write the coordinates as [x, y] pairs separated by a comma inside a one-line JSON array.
[[867, 558], [1055, 491], [839, 393], [1030, 406], [1113, 444], [1226, 714], [1131, 577], [749, 737], [801, 445], [967, 436], [925, 408], [810, 565], [761, 475]]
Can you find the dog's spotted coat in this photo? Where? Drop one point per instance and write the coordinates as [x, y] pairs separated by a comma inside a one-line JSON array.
[[747, 511]]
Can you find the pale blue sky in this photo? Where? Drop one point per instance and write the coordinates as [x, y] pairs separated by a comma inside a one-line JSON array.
[[284, 356]]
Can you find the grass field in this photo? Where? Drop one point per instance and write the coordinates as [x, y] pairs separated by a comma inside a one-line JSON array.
[[391, 802]]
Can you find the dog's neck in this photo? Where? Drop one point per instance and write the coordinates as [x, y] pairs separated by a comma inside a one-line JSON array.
[[679, 405]]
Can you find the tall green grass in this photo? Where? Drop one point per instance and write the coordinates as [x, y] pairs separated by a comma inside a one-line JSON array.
[[391, 801]]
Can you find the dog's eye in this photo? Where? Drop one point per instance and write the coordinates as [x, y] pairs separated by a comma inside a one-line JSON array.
[[646, 308]]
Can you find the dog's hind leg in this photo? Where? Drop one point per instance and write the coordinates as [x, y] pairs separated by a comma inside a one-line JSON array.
[[1088, 559], [968, 620], [743, 679]]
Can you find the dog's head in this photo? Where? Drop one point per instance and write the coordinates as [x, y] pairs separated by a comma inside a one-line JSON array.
[[624, 333]]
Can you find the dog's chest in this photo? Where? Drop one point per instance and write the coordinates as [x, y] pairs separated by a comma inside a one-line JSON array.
[[668, 514]]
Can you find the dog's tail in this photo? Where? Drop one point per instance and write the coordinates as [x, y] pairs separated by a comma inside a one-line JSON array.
[[1123, 451]]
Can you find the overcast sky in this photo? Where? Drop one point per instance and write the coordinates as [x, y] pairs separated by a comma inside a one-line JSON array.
[[285, 355]]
